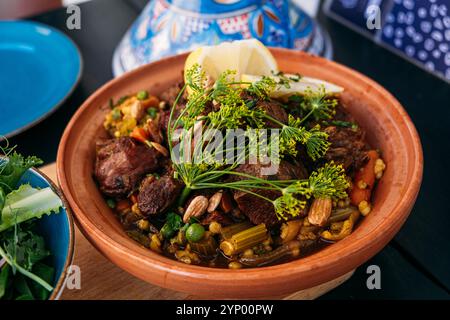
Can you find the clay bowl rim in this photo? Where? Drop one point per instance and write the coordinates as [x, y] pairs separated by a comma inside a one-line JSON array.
[[321, 270]]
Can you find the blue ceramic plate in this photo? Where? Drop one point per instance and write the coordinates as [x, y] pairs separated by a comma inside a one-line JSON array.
[[39, 68]]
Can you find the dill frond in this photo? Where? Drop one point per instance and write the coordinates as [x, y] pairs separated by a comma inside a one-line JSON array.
[[288, 206], [329, 181], [318, 105], [315, 141], [262, 88]]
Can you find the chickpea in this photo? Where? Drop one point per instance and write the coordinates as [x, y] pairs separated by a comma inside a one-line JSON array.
[[248, 253], [362, 184], [215, 227], [143, 225], [364, 208], [379, 168], [234, 265], [267, 242]]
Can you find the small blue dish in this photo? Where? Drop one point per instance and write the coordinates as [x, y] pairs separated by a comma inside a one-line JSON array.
[[57, 230], [39, 68]]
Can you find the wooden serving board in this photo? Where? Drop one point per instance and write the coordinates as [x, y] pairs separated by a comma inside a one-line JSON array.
[[102, 280]]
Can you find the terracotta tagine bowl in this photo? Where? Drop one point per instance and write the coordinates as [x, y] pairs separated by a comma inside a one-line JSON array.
[[388, 127]]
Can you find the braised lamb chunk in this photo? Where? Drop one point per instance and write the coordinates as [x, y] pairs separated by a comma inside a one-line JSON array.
[[121, 163], [217, 216], [156, 195], [275, 110], [256, 209], [169, 96], [272, 108], [347, 147]]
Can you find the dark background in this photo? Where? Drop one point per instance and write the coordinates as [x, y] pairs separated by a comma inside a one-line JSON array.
[[416, 263]]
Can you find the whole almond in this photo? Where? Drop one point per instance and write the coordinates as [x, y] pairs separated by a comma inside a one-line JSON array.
[[320, 211], [196, 208], [160, 148], [214, 201]]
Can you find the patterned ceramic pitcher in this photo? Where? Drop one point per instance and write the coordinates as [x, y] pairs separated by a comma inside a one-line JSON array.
[[168, 27]]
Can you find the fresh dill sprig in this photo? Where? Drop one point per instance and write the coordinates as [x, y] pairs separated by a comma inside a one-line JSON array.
[[233, 117], [314, 140], [318, 105], [196, 79], [235, 112], [262, 88], [328, 181]]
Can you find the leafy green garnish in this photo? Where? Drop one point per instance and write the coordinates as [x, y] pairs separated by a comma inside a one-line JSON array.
[[27, 203], [13, 168], [4, 277], [22, 249], [172, 225], [23, 277], [47, 274], [2, 202], [25, 246]]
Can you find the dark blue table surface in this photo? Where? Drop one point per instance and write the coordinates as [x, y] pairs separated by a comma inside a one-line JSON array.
[[416, 264]]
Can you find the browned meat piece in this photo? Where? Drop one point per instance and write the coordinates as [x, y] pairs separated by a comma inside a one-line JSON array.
[[170, 95], [274, 109], [256, 209], [156, 195], [347, 147], [217, 216], [121, 163]]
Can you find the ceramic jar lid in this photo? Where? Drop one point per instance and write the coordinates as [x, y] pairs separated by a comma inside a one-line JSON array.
[[168, 27]]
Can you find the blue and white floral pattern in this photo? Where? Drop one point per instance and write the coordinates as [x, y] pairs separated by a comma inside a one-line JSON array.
[[421, 29], [168, 27], [418, 30]]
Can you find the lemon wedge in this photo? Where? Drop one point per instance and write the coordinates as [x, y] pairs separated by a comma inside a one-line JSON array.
[[296, 87], [243, 56]]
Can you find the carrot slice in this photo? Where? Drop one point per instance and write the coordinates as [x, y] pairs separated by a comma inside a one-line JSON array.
[[123, 206], [364, 177]]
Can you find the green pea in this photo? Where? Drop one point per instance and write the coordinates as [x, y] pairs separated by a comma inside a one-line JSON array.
[[195, 232], [116, 114], [142, 95], [152, 112], [111, 203]]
